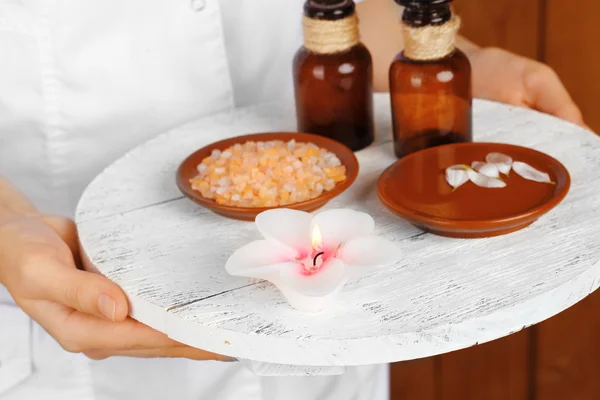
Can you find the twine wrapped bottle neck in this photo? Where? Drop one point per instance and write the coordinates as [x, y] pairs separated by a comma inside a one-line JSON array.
[[330, 37], [431, 42]]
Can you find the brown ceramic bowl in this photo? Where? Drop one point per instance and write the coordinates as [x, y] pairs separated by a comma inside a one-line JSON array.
[[415, 188], [187, 170]]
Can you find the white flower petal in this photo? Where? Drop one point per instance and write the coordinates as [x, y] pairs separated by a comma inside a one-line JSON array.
[[486, 169], [341, 225], [260, 259], [528, 172], [370, 251], [502, 162], [325, 281], [485, 181], [290, 227], [457, 176]]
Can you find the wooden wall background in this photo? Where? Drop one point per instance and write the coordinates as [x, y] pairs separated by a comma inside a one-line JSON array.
[[560, 358]]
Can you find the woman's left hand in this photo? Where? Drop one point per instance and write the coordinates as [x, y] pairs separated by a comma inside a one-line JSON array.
[[512, 79]]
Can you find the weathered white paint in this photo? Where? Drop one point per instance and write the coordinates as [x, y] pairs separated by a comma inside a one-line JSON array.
[[446, 294]]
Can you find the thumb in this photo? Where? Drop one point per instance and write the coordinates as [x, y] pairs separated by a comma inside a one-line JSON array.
[[83, 291]]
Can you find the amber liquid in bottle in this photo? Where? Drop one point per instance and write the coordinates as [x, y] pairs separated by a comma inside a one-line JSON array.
[[334, 81], [431, 96]]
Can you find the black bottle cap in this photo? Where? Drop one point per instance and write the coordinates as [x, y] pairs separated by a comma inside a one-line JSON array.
[[421, 3], [329, 10], [420, 13]]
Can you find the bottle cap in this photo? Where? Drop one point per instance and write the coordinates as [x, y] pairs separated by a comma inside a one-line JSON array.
[[421, 3], [425, 12], [330, 10]]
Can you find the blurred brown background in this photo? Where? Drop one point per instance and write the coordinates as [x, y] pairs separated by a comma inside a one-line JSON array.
[[560, 358]]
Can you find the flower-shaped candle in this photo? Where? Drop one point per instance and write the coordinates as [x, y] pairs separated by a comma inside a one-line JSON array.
[[310, 259]]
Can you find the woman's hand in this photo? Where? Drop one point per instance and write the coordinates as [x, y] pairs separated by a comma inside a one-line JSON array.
[[86, 313], [509, 78]]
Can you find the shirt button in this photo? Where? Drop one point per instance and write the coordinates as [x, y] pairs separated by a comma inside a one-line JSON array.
[[198, 5]]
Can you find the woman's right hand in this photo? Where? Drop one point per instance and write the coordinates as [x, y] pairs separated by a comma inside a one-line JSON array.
[[84, 312]]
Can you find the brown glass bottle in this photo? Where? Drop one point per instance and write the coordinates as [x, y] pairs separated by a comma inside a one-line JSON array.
[[333, 76], [430, 88]]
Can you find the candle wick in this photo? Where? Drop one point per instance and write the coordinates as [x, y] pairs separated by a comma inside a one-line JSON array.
[[317, 256]]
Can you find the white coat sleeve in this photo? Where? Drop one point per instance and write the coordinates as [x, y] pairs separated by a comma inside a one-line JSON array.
[[15, 346], [19, 51]]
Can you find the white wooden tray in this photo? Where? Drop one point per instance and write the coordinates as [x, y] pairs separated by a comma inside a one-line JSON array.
[[168, 255]]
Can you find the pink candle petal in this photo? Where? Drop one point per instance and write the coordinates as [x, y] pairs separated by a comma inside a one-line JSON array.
[[290, 227], [260, 259], [321, 283], [338, 226], [369, 251]]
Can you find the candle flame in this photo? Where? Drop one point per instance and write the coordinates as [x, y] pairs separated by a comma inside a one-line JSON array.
[[317, 239]]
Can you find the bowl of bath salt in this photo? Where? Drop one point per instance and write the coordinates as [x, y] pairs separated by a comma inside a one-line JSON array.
[[241, 177]]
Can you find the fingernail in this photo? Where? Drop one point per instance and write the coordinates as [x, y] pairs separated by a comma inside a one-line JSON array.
[[228, 359], [107, 306]]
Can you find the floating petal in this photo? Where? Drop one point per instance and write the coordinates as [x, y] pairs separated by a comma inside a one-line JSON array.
[[484, 181], [501, 161], [369, 251], [290, 227], [260, 259], [321, 283], [528, 172], [486, 169], [339, 226], [457, 176]]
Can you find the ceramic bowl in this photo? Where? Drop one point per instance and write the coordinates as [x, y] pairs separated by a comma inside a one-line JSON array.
[[415, 188], [187, 170]]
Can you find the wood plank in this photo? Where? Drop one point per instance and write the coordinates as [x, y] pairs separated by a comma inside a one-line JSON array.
[[568, 346], [570, 35], [497, 370], [414, 380], [510, 24]]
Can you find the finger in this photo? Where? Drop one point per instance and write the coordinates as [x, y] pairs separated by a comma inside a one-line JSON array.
[[83, 291], [571, 113], [546, 93], [78, 332], [168, 352]]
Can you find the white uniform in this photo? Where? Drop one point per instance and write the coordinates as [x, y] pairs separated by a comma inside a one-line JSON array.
[[81, 82]]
